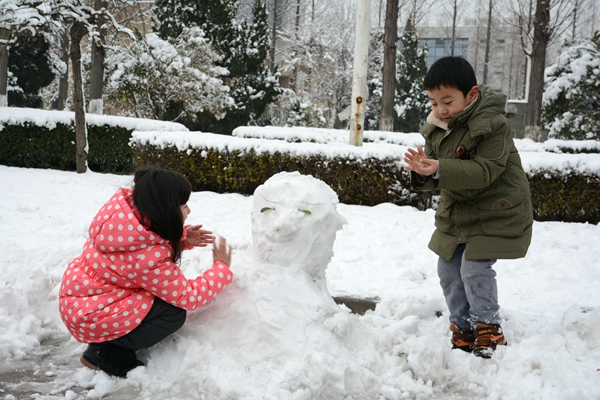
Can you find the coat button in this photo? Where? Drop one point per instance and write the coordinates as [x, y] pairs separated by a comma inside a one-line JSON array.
[[459, 239]]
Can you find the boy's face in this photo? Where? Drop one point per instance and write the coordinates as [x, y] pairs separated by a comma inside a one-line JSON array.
[[447, 102]]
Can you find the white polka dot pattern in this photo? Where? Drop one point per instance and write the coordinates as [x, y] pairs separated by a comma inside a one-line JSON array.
[[107, 291]]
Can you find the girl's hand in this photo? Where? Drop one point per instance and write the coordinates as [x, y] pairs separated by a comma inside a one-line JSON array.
[[198, 237], [417, 161], [222, 252]]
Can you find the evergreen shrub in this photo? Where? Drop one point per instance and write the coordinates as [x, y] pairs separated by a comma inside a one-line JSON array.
[[32, 146], [574, 197], [356, 181], [109, 149]]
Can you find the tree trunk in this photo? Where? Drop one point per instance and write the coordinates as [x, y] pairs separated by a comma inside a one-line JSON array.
[[541, 38], [77, 32], [297, 85], [453, 38], [488, 40], [97, 72], [273, 36], [390, 38], [63, 83], [4, 35]]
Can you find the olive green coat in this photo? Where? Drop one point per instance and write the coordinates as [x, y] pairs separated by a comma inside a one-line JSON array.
[[485, 198]]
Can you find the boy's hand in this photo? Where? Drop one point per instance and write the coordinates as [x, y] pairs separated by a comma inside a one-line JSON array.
[[198, 237], [417, 161], [222, 252]]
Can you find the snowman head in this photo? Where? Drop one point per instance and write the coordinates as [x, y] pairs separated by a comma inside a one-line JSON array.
[[294, 222]]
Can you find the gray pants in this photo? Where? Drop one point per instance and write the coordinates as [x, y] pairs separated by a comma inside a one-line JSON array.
[[470, 289]]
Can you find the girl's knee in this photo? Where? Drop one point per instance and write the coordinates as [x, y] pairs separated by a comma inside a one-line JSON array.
[[179, 318]]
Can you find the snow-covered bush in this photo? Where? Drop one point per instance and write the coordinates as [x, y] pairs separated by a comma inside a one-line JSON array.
[[571, 102], [154, 74], [304, 113]]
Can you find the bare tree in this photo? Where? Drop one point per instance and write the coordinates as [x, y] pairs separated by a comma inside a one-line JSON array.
[[63, 84], [454, 21], [80, 20], [537, 30], [97, 70], [390, 40], [488, 43], [416, 10], [77, 31], [578, 16]]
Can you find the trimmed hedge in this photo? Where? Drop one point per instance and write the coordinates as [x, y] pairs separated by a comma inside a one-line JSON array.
[[571, 198], [363, 182], [574, 197], [32, 146]]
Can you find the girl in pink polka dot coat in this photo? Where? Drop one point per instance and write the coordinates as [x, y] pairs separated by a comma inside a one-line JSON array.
[[125, 291]]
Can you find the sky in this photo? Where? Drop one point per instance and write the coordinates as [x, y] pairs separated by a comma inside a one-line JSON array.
[[275, 332]]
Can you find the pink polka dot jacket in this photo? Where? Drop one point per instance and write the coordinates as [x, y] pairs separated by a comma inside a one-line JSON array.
[[107, 291]]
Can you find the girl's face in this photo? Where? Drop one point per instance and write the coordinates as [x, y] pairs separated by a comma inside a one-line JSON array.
[[185, 211]]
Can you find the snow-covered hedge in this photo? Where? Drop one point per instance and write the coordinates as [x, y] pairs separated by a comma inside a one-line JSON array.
[[368, 175], [565, 187], [318, 135], [36, 138]]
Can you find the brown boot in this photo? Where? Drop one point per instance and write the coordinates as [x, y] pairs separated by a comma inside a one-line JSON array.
[[462, 339], [487, 337]]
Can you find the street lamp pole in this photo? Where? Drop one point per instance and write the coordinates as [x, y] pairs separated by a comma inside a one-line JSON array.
[[359, 79]]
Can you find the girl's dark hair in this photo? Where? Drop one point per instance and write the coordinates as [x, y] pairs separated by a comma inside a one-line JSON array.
[[158, 195], [452, 72]]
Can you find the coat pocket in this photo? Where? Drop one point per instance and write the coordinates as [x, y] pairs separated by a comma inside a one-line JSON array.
[[503, 214], [443, 215]]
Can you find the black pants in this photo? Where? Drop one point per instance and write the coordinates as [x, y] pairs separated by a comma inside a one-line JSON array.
[[162, 320]]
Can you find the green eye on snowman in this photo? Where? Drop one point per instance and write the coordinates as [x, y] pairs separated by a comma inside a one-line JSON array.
[[265, 209]]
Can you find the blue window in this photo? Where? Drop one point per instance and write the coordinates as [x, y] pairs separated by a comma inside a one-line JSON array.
[[438, 48]]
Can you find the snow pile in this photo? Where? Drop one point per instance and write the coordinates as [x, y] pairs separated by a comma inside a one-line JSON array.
[[49, 119], [323, 135], [274, 333], [279, 317], [201, 140], [558, 145]]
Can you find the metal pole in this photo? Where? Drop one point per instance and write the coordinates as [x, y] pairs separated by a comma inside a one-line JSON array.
[[359, 79]]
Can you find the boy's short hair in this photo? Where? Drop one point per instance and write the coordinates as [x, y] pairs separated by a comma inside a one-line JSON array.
[[452, 72]]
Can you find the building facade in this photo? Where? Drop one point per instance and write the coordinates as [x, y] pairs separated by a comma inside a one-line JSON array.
[[506, 68]]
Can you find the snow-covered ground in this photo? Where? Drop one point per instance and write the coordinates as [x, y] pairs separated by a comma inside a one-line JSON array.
[[550, 302]]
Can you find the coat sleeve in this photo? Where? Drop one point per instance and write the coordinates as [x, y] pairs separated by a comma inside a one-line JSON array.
[[488, 163], [160, 276]]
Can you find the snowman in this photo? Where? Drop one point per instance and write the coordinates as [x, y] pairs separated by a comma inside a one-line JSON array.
[[276, 329], [294, 223]]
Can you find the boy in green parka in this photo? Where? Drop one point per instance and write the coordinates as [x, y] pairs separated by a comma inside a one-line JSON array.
[[485, 210]]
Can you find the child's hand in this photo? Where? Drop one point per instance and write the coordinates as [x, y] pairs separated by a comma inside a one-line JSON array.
[[222, 252], [198, 237], [417, 161]]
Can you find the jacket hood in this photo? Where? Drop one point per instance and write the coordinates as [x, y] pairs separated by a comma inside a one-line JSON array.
[[118, 226], [478, 115]]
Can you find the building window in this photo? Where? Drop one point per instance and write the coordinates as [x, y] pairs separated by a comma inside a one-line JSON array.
[[438, 48]]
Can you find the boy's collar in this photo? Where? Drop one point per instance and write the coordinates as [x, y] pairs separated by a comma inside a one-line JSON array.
[[432, 119]]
